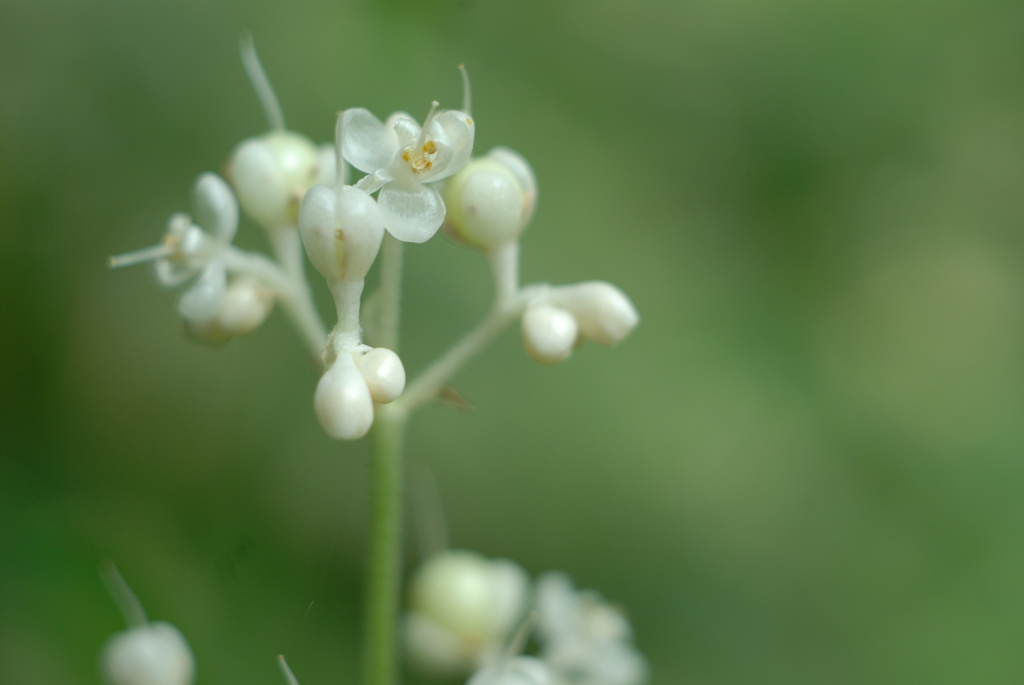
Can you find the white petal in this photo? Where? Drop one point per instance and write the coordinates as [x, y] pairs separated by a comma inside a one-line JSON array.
[[521, 670], [406, 128], [202, 300], [459, 130], [412, 213], [215, 206], [557, 606], [366, 143]]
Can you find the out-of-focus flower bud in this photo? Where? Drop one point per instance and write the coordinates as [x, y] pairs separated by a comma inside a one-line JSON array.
[[271, 173], [246, 305], [604, 313], [463, 608], [153, 654], [491, 200], [549, 333]]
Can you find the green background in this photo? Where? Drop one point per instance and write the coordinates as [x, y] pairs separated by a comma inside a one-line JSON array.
[[804, 466]]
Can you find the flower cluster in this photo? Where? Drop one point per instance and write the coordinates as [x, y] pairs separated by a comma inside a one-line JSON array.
[[416, 179], [464, 610]]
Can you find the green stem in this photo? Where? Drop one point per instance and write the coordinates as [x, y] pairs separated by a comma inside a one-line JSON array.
[[387, 437], [384, 572]]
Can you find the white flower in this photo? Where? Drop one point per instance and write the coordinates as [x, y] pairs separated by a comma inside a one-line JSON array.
[[188, 250], [399, 157], [463, 608], [152, 654], [520, 670], [585, 640]]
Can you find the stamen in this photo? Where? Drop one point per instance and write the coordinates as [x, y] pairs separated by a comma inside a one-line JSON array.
[[287, 672], [260, 83], [146, 254], [466, 98], [426, 122], [127, 602]]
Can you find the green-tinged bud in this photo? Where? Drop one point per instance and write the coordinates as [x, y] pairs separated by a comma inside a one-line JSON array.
[[491, 200], [271, 174]]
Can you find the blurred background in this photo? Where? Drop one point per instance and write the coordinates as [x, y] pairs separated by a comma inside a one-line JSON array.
[[803, 467]]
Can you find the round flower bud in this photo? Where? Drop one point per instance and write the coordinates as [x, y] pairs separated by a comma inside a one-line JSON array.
[[245, 306], [342, 400], [549, 333], [342, 234], [271, 173], [520, 670], [152, 654], [491, 200], [604, 313], [383, 372], [463, 607], [521, 169]]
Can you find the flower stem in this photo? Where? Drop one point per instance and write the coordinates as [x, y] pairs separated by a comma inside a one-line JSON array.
[[390, 292], [387, 438], [384, 572]]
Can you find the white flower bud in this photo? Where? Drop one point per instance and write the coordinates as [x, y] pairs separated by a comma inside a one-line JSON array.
[[549, 333], [463, 607], [604, 313], [245, 306], [152, 654], [491, 200], [521, 169], [341, 246], [342, 400], [383, 372], [271, 173], [520, 670]]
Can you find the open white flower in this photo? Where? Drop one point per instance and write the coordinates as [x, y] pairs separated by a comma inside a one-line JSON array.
[[586, 641], [187, 250], [520, 670], [399, 157]]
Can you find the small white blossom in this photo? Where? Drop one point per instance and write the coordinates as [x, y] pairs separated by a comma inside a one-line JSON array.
[[399, 157], [585, 640], [187, 250], [520, 670], [463, 608]]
